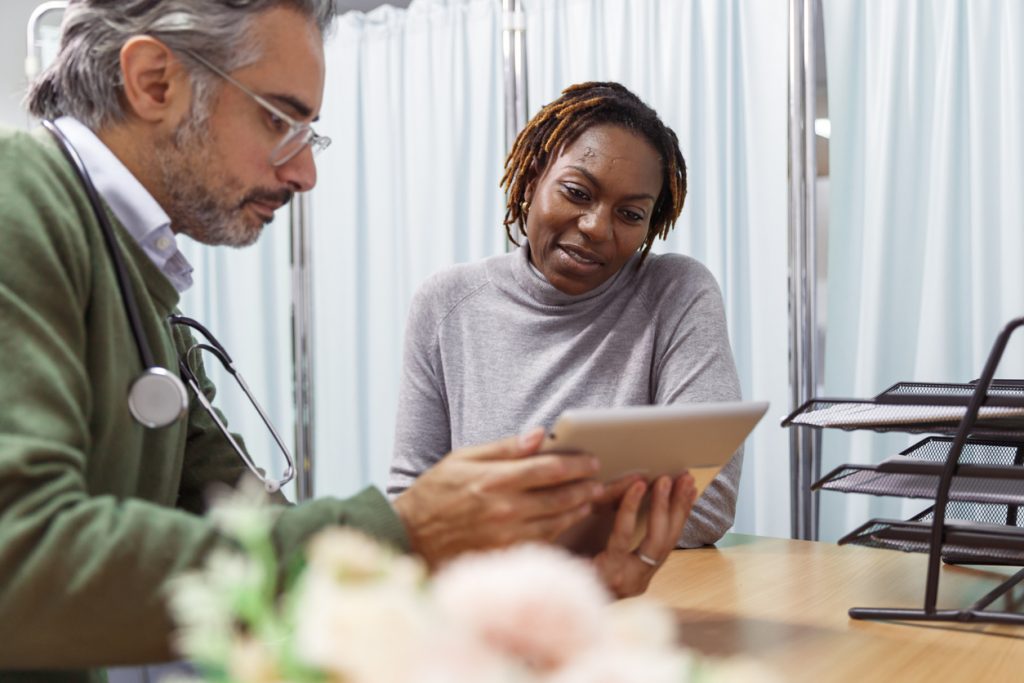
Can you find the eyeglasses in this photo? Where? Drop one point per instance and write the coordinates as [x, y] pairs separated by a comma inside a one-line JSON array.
[[190, 364], [299, 134]]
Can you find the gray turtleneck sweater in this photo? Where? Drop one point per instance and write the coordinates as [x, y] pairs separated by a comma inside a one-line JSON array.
[[492, 348]]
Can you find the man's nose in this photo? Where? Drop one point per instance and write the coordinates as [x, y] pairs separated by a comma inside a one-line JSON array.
[[299, 172]]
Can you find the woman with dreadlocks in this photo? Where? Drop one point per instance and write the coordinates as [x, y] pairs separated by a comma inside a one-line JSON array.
[[581, 315]]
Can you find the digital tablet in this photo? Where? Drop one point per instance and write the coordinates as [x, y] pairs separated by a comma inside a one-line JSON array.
[[649, 441], [656, 440]]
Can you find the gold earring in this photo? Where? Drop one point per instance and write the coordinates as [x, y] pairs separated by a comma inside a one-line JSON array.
[[524, 205]]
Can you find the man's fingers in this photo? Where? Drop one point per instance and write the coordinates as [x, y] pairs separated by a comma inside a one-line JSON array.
[[615, 490], [508, 448], [543, 471], [547, 502], [550, 528]]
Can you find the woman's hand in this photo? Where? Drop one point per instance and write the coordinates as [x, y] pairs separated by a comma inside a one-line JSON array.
[[627, 568]]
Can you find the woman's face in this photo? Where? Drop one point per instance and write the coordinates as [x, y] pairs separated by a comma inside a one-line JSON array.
[[591, 207]]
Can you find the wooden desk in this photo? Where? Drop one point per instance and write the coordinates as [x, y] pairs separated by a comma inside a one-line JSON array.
[[785, 603]]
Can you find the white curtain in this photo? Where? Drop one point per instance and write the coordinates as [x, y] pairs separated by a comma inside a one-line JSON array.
[[926, 99], [414, 104], [414, 101]]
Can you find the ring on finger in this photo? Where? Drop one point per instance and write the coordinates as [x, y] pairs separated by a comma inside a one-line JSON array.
[[647, 559]]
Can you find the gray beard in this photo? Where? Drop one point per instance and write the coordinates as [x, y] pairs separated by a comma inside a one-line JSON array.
[[194, 195]]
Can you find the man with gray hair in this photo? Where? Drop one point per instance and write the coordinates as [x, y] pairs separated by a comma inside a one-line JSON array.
[[191, 117]]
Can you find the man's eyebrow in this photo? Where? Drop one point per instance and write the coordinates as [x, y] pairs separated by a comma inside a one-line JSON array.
[[590, 176], [294, 103]]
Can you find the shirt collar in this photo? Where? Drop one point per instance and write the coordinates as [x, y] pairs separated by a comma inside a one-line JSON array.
[[132, 204]]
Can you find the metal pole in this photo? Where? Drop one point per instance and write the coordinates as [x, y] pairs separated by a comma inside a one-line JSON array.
[[514, 53], [33, 65], [302, 345], [805, 461]]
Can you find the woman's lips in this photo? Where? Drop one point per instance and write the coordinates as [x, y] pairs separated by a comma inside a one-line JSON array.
[[581, 256]]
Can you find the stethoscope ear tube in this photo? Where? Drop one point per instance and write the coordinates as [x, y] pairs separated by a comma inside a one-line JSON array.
[[157, 398]]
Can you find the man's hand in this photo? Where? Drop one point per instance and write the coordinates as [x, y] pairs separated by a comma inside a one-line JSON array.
[[627, 569], [492, 495]]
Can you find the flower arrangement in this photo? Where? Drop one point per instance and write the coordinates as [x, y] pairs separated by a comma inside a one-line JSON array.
[[358, 612]]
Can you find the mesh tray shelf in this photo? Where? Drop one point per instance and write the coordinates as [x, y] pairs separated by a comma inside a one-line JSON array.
[[989, 472], [981, 542], [920, 408]]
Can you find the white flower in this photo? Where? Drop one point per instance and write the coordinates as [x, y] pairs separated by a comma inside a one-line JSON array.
[[244, 513], [369, 631], [351, 556], [204, 603], [251, 661], [535, 603]]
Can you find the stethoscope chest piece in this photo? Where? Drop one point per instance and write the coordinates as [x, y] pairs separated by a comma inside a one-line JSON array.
[[157, 398]]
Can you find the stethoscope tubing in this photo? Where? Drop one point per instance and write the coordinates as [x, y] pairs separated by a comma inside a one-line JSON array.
[[120, 271]]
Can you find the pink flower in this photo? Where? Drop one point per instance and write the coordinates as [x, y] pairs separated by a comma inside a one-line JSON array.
[[536, 604]]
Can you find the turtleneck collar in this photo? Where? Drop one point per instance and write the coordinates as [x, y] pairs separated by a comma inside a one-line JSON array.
[[536, 287]]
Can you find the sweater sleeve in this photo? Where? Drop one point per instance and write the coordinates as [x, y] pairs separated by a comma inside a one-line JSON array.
[[83, 568], [423, 428], [695, 364]]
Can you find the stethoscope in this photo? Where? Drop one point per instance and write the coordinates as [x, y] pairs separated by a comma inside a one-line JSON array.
[[157, 397]]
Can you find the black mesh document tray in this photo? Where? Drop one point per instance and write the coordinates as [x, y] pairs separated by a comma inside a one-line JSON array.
[[989, 472], [972, 468], [967, 541], [920, 407]]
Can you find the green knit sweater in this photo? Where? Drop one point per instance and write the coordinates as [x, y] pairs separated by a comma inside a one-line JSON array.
[[97, 512]]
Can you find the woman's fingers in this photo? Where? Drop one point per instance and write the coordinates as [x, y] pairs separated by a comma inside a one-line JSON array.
[[621, 537], [671, 503]]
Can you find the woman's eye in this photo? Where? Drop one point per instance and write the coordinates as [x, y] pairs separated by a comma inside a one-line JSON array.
[[632, 216], [576, 193]]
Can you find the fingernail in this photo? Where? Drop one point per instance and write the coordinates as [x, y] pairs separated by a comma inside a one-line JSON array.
[[596, 490], [527, 438], [594, 463]]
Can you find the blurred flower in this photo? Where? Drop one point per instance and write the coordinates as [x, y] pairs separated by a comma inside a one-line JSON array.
[[358, 612], [244, 513], [532, 602], [366, 632], [252, 661]]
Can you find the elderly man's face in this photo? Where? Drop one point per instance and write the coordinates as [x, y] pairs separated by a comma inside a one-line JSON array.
[[218, 182]]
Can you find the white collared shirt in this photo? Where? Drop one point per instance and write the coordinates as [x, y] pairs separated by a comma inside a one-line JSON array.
[[132, 204]]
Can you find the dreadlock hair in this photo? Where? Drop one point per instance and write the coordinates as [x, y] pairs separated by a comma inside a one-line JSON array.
[[561, 122]]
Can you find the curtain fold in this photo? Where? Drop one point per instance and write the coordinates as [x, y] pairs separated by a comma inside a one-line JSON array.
[[927, 218], [414, 102]]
